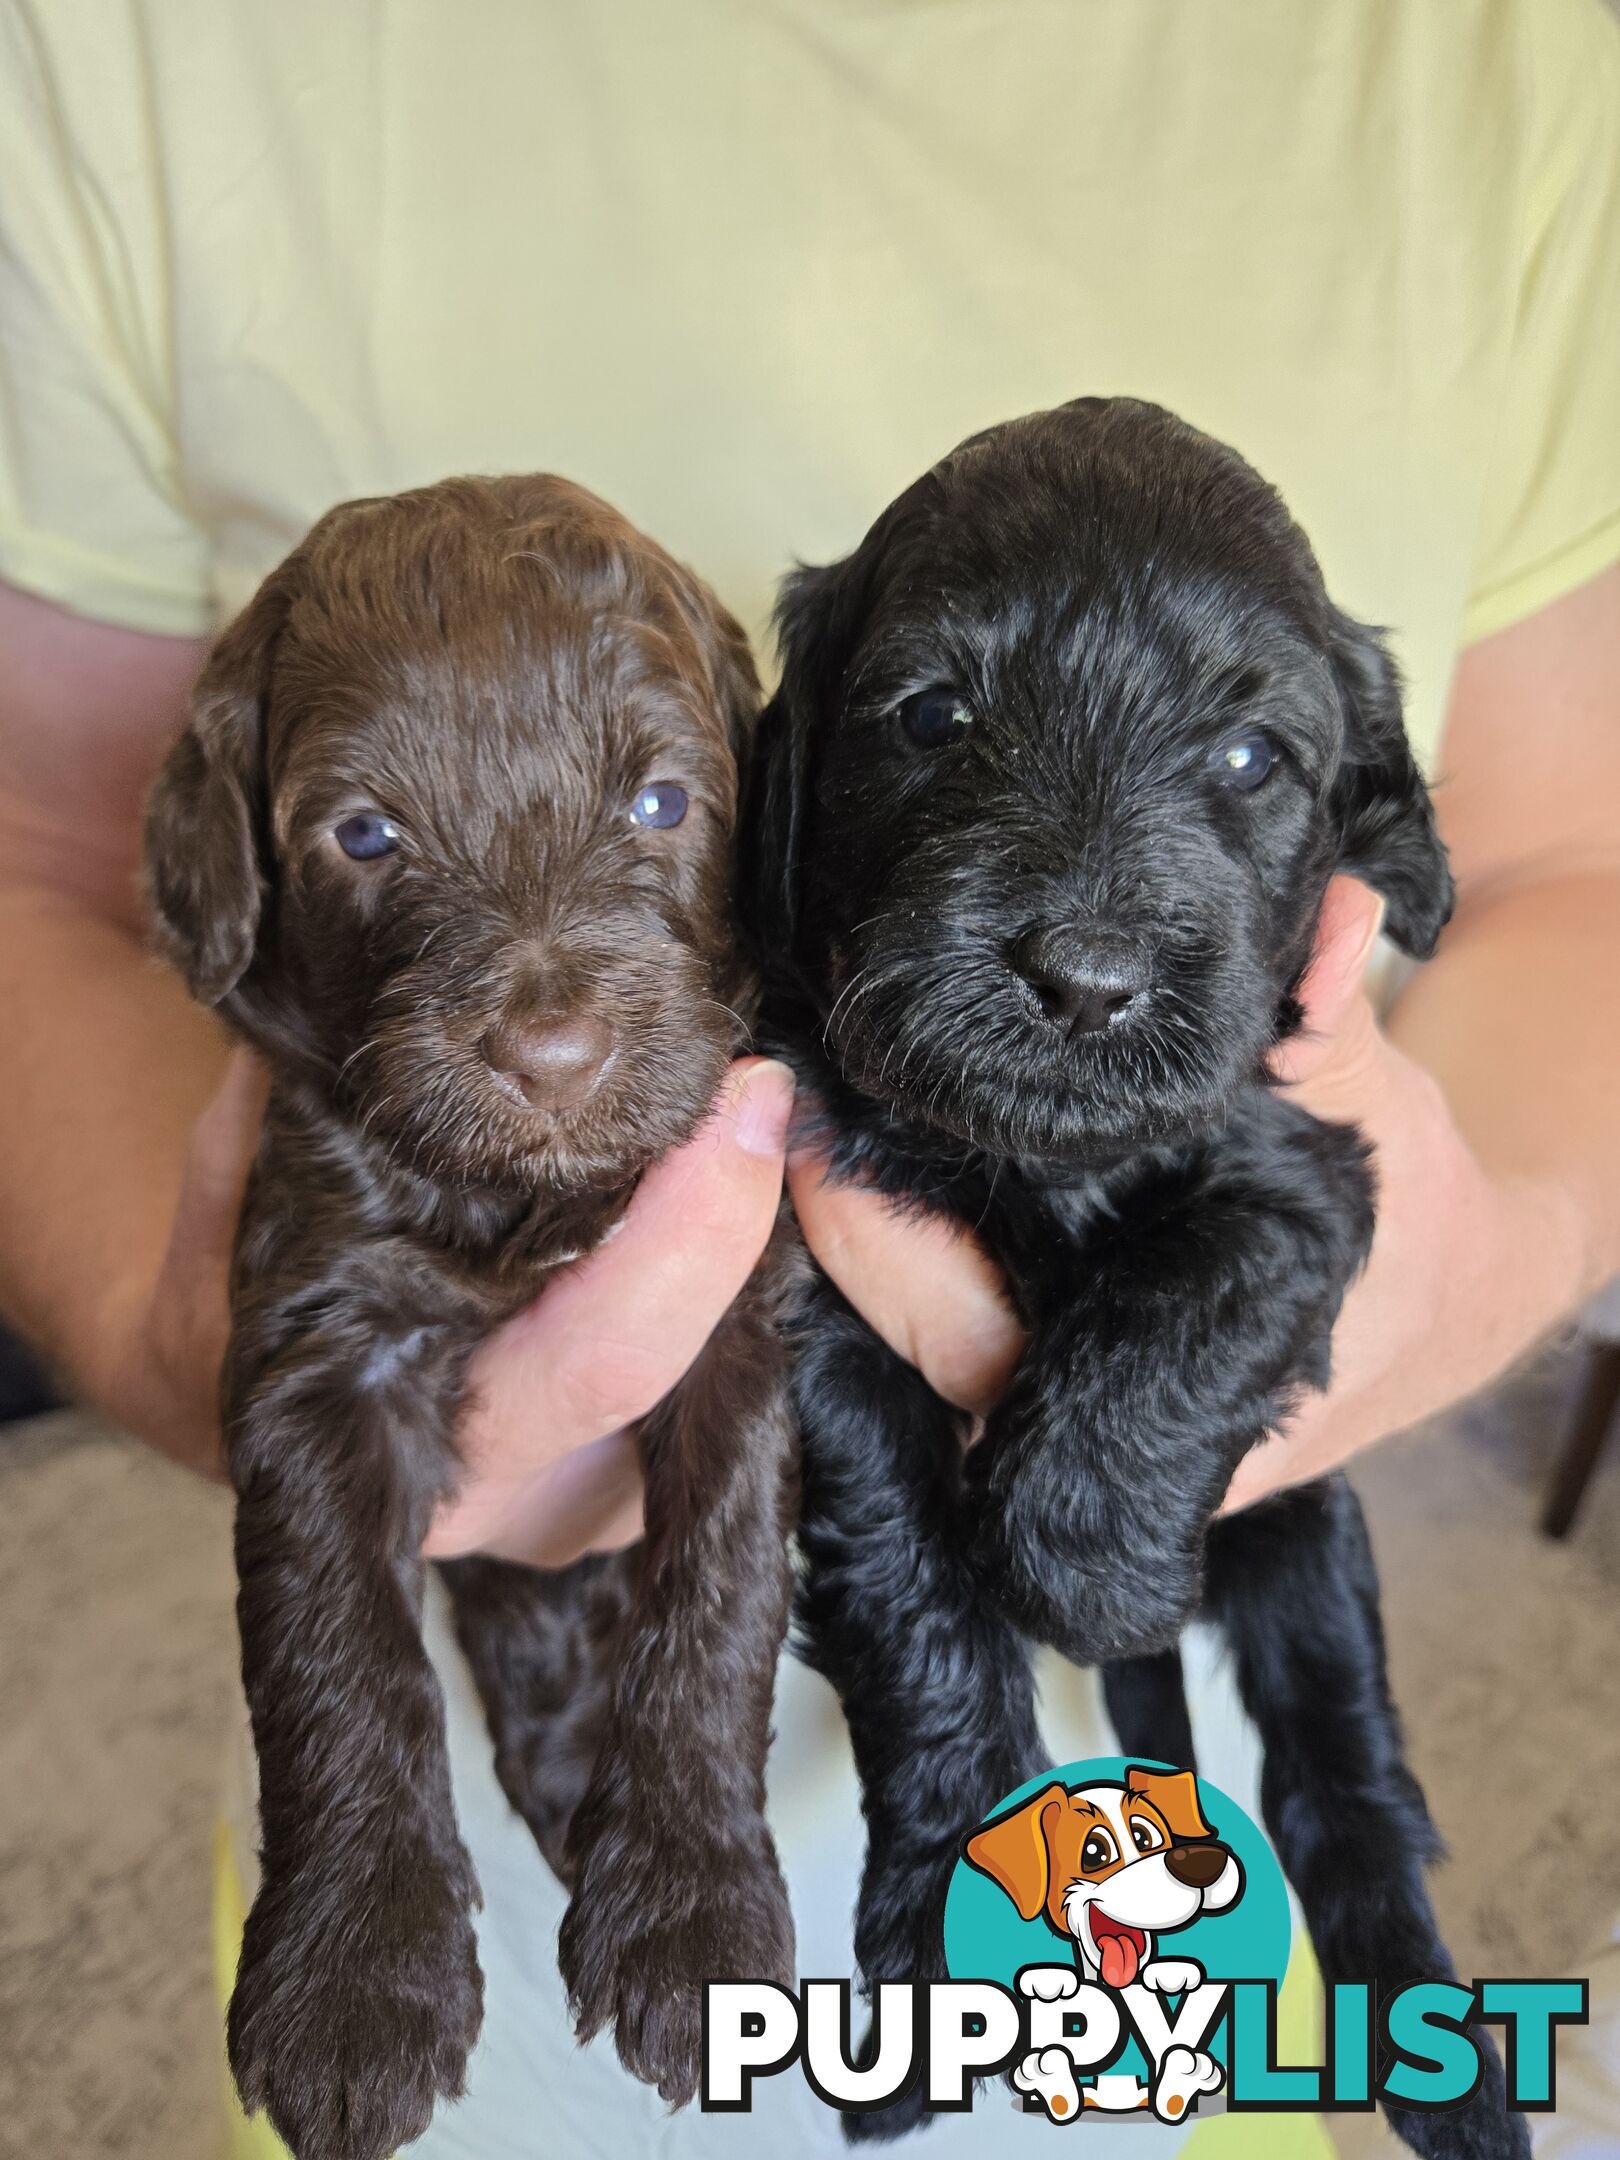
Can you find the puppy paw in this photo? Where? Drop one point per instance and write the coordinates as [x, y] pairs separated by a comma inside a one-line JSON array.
[[639, 1942], [899, 1935], [1183, 2074], [1171, 1976], [1050, 1983], [353, 2015]]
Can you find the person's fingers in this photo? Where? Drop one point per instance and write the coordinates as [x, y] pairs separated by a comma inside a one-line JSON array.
[[590, 1501], [927, 1286], [611, 1335]]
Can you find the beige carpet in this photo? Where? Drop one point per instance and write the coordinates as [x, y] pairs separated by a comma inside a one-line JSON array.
[[115, 1648]]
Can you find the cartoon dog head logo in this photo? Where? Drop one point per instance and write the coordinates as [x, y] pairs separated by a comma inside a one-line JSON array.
[[1112, 1866]]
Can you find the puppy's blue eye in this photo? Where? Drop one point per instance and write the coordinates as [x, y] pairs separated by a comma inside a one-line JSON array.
[[367, 835], [659, 807], [1245, 762], [936, 717]]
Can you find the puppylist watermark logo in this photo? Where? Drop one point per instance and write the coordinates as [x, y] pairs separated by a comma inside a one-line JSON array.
[[1116, 1936]]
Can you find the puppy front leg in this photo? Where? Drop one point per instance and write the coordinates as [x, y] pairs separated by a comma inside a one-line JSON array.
[[1164, 1346], [936, 1687], [358, 1995], [675, 1876]]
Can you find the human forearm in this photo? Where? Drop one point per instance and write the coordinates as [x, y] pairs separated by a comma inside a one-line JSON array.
[[1519, 1024], [104, 1066], [103, 1060]]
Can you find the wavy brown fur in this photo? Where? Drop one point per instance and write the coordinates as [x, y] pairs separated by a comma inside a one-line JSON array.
[[497, 667]]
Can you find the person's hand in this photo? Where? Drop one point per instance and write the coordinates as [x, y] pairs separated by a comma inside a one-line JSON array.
[[1434, 1316], [1465, 1268], [551, 1471]]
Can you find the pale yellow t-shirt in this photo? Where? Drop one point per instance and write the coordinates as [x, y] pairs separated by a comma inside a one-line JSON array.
[[748, 266]]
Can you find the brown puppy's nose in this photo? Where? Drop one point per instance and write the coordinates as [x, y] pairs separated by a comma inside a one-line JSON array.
[[1084, 978], [1196, 1865], [555, 1064]]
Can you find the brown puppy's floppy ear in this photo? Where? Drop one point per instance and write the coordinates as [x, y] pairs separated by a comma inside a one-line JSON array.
[[1386, 822], [206, 809], [728, 654], [1175, 1794], [1014, 1853]]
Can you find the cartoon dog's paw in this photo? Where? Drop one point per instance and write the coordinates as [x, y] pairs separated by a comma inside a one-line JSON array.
[[1183, 2074], [1171, 1976], [635, 1951], [1047, 2075], [1048, 1983], [347, 2037]]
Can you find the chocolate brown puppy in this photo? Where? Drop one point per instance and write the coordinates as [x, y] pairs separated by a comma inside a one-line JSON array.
[[448, 839]]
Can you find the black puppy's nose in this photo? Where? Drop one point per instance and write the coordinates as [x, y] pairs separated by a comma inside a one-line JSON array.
[[1196, 1865], [1083, 978], [553, 1064]]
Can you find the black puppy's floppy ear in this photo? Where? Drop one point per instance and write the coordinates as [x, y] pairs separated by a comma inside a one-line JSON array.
[[820, 617], [780, 775], [205, 878], [1386, 824]]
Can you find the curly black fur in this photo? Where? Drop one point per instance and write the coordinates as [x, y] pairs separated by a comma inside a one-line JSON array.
[[1031, 934]]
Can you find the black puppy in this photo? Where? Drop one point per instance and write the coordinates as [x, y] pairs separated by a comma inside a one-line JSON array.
[[1063, 758]]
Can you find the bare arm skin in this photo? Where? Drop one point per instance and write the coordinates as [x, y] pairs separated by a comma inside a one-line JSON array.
[[1489, 1097], [105, 1064]]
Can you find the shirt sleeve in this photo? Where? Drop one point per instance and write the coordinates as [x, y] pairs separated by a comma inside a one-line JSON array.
[[1552, 507], [92, 506]]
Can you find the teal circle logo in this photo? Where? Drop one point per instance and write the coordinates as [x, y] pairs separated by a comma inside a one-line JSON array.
[[1133, 1875]]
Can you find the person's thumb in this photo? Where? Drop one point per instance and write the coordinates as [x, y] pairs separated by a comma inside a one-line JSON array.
[[612, 1334]]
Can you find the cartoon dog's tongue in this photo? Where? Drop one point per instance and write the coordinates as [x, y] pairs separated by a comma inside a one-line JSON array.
[[1120, 1948]]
